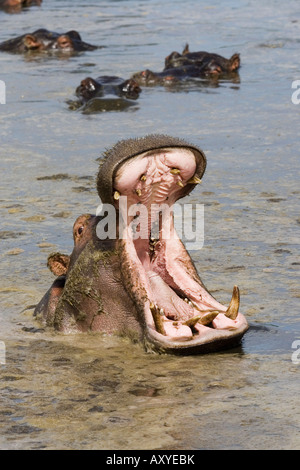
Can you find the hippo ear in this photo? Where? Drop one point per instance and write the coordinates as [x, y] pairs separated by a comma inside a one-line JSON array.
[[235, 62], [186, 49], [31, 41], [73, 35], [58, 263]]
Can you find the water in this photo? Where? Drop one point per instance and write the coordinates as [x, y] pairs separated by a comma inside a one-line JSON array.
[[95, 392]]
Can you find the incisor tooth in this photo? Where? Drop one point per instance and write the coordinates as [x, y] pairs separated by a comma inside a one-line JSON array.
[[205, 319], [194, 180], [143, 178], [180, 183], [138, 192], [192, 321], [175, 171], [233, 309], [116, 195]]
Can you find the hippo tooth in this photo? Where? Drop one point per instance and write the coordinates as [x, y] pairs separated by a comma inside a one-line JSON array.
[[194, 180], [175, 171], [233, 309], [143, 178], [209, 317], [205, 319], [116, 195], [186, 300], [158, 321], [192, 321], [161, 312], [180, 183], [138, 192]]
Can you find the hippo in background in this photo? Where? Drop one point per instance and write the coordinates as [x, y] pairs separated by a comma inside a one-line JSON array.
[[15, 6], [210, 62], [43, 40], [105, 93], [138, 280], [190, 66], [174, 76]]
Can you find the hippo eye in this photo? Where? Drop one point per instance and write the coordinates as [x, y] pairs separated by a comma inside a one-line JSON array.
[[64, 43], [80, 230]]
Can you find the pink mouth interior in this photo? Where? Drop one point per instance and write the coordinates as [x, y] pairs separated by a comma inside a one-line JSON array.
[[159, 261]]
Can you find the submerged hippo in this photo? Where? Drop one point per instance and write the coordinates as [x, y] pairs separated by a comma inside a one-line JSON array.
[[181, 67], [12, 6], [44, 40], [209, 62], [105, 93], [143, 285], [172, 76]]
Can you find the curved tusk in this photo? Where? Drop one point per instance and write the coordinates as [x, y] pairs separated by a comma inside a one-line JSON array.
[[233, 309], [157, 317]]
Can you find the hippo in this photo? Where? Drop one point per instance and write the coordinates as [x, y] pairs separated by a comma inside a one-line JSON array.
[[214, 63], [14, 6], [190, 65], [141, 285], [173, 76], [43, 40], [105, 93]]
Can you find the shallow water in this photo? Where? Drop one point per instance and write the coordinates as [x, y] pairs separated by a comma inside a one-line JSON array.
[[95, 392]]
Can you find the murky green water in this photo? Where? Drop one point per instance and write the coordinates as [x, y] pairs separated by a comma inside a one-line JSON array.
[[95, 392]]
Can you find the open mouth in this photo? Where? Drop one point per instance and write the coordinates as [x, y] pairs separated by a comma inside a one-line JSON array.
[[178, 312]]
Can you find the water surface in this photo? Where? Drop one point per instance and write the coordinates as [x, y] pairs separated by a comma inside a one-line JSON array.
[[95, 392]]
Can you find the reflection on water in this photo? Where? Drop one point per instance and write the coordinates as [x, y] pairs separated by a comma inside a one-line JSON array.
[[99, 392]]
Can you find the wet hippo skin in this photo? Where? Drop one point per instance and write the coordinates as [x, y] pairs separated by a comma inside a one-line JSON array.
[[43, 40], [105, 93], [90, 88], [146, 286]]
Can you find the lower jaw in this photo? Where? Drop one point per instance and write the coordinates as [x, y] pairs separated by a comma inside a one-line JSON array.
[[207, 328], [207, 344]]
